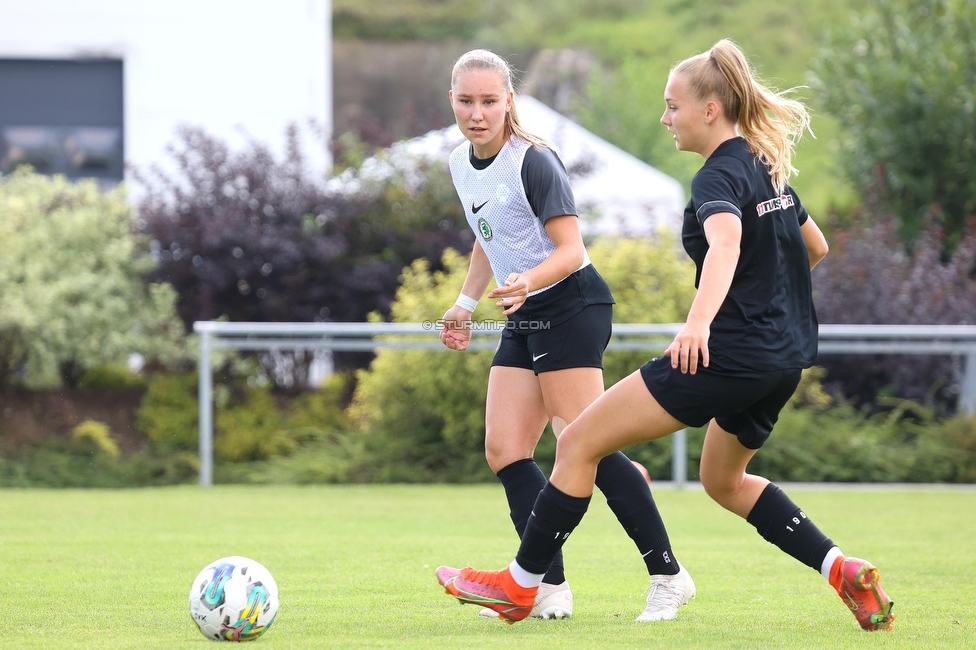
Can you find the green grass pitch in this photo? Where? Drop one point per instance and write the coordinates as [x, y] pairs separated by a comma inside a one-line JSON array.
[[355, 568]]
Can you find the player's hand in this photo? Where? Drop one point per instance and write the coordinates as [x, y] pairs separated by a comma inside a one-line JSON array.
[[512, 295], [456, 333], [684, 350]]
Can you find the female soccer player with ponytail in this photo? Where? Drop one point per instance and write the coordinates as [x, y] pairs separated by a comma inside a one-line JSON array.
[[737, 360], [549, 363]]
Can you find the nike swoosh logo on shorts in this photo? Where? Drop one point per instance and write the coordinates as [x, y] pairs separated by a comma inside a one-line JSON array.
[[536, 358], [475, 209]]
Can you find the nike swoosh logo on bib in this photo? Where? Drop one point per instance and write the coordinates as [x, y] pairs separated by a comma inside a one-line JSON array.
[[475, 209]]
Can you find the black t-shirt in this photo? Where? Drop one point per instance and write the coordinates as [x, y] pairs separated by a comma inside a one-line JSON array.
[[549, 193], [767, 321]]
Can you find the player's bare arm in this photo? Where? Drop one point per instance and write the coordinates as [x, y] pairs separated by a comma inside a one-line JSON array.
[[456, 333], [723, 232], [815, 241]]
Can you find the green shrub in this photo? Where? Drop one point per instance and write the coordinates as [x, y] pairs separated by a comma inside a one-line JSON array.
[[252, 425], [154, 468], [167, 414], [73, 276], [58, 463], [841, 444], [259, 426], [13, 474], [250, 429], [423, 415], [111, 376], [328, 457], [324, 409], [959, 434], [95, 437], [262, 438]]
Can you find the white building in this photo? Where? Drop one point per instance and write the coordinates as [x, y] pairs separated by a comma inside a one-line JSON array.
[[89, 87], [616, 193]]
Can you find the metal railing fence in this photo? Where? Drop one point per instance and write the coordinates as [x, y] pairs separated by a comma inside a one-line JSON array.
[[834, 339]]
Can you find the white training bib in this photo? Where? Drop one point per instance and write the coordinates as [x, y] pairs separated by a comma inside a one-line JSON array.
[[498, 211]]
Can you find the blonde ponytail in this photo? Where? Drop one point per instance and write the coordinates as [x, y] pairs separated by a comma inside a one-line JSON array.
[[769, 122], [486, 60]]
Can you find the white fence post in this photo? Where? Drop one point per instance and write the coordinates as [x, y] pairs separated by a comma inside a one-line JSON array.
[[679, 458], [205, 396], [967, 393]]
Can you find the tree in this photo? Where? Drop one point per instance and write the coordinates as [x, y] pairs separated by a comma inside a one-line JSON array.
[[622, 106], [73, 294], [869, 277], [902, 81], [244, 236]]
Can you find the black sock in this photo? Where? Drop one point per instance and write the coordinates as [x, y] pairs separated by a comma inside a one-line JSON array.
[[781, 522], [522, 481], [629, 496], [553, 518]]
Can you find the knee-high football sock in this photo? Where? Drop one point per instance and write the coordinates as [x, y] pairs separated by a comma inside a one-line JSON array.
[[783, 523], [522, 481], [553, 518], [629, 496]]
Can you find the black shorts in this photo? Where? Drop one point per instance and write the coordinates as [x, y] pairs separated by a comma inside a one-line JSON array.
[[746, 404], [577, 342]]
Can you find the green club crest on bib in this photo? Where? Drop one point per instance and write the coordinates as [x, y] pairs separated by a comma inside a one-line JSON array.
[[485, 229]]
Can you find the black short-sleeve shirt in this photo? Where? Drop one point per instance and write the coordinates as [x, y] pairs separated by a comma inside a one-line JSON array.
[[767, 321]]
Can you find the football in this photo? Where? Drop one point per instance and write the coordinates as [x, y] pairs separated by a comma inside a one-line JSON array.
[[234, 599]]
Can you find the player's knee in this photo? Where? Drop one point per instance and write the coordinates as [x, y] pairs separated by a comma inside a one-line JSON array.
[[497, 459], [722, 489], [500, 455], [573, 447]]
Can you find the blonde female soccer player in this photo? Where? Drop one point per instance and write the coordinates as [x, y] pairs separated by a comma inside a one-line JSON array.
[[549, 363], [737, 360]]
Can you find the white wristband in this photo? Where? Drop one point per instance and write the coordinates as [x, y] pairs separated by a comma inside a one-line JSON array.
[[466, 302]]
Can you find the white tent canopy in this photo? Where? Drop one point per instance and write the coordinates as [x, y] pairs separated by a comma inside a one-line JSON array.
[[615, 192]]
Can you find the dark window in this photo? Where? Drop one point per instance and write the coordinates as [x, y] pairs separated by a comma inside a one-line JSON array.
[[62, 117]]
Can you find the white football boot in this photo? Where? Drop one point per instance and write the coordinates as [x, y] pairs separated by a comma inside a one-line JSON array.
[[667, 595]]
